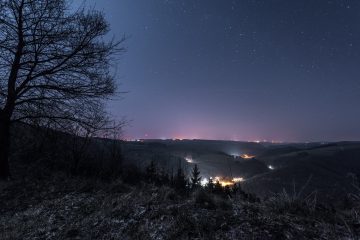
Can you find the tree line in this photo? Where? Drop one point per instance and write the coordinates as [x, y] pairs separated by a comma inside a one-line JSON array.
[[188, 184]]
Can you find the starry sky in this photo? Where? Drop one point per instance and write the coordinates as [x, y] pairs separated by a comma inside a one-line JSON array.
[[282, 70]]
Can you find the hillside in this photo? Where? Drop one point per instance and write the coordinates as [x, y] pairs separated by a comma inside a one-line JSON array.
[[81, 208], [330, 168], [78, 188], [215, 158]]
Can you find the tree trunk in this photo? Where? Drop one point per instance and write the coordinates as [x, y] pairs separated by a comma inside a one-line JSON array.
[[4, 147]]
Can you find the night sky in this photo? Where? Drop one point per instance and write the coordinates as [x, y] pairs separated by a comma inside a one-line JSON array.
[[283, 70]]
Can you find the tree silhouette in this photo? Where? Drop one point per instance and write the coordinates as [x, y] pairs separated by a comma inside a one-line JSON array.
[[210, 185], [218, 189], [195, 177], [55, 67], [164, 177], [180, 180], [150, 171]]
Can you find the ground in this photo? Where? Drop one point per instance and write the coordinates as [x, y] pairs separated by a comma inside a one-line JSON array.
[[63, 207]]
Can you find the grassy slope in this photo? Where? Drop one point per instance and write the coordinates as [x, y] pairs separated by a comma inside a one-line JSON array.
[[61, 207]]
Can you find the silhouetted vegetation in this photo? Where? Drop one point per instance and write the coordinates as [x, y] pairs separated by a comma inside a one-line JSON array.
[[195, 177], [55, 70], [180, 181]]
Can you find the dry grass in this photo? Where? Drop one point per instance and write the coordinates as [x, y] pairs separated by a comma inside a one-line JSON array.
[[79, 208]]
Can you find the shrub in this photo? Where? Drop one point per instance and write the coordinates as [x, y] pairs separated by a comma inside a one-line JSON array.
[[168, 193], [204, 199], [283, 202], [132, 175], [222, 203]]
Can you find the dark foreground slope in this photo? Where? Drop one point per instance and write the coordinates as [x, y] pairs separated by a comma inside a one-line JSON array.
[[60, 207], [40, 203]]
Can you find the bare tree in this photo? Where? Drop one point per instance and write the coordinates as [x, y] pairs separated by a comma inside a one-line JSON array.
[[55, 67]]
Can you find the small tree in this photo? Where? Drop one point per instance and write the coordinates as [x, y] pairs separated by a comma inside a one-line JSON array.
[[172, 179], [210, 185], [218, 189], [180, 180], [195, 177], [164, 177], [227, 191], [150, 171]]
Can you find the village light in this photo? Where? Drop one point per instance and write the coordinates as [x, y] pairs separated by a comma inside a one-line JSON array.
[[189, 159], [228, 182], [204, 182], [238, 179], [247, 156]]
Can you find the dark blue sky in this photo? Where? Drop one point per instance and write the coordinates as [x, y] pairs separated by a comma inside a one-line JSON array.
[[285, 70]]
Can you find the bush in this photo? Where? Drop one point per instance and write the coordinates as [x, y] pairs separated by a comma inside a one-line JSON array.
[[296, 203], [132, 175], [222, 203], [210, 201], [204, 199], [119, 187], [168, 193], [284, 202]]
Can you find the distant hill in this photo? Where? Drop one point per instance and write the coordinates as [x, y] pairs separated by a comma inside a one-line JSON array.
[[214, 158], [274, 167], [328, 166]]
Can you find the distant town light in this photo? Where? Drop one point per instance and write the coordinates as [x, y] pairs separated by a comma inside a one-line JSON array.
[[228, 182], [238, 179], [189, 159], [247, 156], [204, 182]]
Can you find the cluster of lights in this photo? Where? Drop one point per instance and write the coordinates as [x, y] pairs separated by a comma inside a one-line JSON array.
[[133, 140], [189, 159], [177, 139], [238, 179], [204, 182], [223, 181], [228, 182], [266, 141], [247, 156]]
